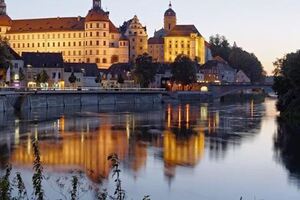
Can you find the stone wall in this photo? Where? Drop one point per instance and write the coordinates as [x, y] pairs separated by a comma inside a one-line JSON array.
[[60, 99]]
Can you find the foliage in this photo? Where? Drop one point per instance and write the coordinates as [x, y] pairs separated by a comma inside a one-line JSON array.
[[5, 187], [72, 78], [74, 188], [287, 85], [37, 177], [144, 71], [184, 70], [5, 58], [120, 79], [42, 77], [237, 57], [21, 74], [98, 79], [220, 46]]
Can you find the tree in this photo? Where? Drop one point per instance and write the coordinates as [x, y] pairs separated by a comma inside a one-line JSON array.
[[184, 70], [98, 79], [72, 78], [237, 57], [21, 74], [144, 70], [287, 85], [120, 79], [220, 46], [42, 77], [5, 58]]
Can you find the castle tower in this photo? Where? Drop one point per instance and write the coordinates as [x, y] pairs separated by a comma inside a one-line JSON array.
[[96, 4], [170, 19], [5, 20], [138, 38]]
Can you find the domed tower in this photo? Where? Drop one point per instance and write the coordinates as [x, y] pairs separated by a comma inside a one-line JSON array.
[[5, 20], [170, 19], [97, 25]]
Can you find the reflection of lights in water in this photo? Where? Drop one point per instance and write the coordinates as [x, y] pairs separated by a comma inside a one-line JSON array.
[[88, 127], [252, 108], [169, 115], [187, 115], [28, 144], [179, 116], [203, 112], [82, 138], [36, 134], [217, 119], [17, 131], [127, 126], [187, 151]]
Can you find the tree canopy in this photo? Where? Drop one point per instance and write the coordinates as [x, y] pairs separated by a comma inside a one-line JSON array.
[[184, 70], [72, 78], [42, 77], [5, 58], [144, 70], [237, 57], [287, 84]]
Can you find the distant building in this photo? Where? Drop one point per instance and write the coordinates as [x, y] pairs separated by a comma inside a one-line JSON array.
[[218, 71], [90, 39], [137, 37], [51, 63], [172, 40], [241, 77], [85, 73], [17, 69]]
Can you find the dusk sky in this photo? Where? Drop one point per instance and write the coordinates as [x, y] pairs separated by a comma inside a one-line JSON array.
[[268, 28]]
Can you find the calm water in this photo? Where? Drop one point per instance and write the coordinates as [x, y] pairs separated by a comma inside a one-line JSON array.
[[188, 151]]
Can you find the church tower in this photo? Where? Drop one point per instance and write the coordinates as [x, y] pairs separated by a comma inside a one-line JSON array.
[[170, 19], [5, 20], [96, 4]]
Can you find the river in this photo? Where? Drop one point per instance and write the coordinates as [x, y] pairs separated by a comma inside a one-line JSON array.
[[187, 151]]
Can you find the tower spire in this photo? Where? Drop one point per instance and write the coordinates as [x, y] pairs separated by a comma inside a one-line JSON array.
[[2, 7], [96, 3], [170, 4]]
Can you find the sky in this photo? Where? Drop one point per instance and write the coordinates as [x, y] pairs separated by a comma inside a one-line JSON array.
[[268, 28]]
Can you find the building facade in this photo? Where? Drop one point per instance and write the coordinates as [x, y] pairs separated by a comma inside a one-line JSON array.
[[90, 39], [172, 40], [137, 36]]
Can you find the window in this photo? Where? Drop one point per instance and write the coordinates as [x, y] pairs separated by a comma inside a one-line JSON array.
[[141, 40], [79, 43], [91, 52], [104, 60], [88, 60], [97, 25], [91, 43], [104, 25], [91, 34], [91, 25], [104, 34], [74, 53], [74, 35], [97, 60], [53, 44], [97, 52], [97, 34], [74, 43], [97, 42], [104, 43]]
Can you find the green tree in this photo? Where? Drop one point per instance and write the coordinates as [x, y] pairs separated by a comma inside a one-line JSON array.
[[184, 70], [237, 57], [5, 58], [42, 77], [220, 46], [98, 79], [144, 71], [72, 78], [287, 85], [21, 74], [120, 79]]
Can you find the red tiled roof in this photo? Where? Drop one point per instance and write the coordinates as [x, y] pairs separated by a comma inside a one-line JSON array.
[[47, 24], [97, 15], [52, 25], [5, 20], [183, 30], [155, 40]]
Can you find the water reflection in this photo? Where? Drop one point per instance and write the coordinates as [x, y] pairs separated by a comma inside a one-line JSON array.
[[180, 135], [286, 143]]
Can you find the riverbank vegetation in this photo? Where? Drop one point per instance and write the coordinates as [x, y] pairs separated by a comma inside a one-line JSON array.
[[237, 57], [74, 187], [287, 85]]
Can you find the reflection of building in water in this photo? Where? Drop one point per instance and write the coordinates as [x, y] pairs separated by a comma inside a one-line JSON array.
[[87, 152], [182, 151]]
